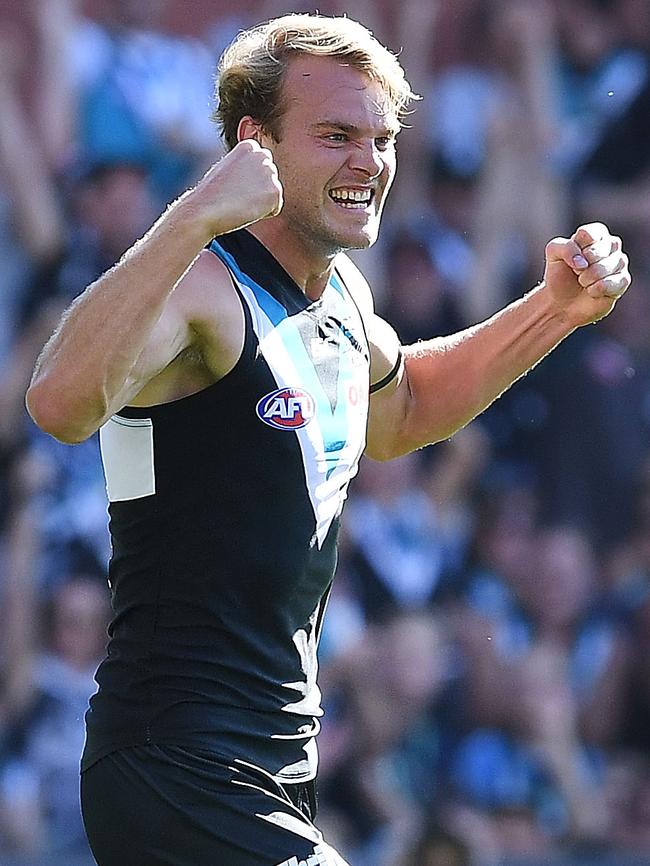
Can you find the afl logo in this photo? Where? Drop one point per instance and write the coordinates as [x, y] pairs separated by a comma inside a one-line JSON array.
[[286, 408]]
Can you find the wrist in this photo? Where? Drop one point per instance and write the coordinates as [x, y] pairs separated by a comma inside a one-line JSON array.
[[187, 216], [208, 216], [551, 309]]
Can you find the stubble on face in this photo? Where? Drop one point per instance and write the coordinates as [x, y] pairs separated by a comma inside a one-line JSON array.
[[326, 99]]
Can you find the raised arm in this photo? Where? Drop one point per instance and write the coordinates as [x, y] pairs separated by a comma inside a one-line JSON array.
[[129, 325], [36, 210], [447, 381]]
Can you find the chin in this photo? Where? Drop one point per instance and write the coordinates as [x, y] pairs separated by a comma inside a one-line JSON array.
[[332, 238], [360, 239], [363, 242]]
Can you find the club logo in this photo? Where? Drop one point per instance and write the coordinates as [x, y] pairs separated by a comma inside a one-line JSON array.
[[286, 408]]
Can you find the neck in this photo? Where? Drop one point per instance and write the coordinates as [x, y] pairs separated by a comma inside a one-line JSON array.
[[310, 270]]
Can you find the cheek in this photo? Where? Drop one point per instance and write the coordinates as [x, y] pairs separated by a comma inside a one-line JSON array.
[[303, 190], [294, 179], [389, 172]]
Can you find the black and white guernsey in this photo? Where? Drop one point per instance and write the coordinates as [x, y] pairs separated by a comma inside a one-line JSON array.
[[224, 512]]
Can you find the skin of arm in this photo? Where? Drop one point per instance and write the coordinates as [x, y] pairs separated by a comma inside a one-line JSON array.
[[447, 381], [119, 340], [37, 213], [56, 23]]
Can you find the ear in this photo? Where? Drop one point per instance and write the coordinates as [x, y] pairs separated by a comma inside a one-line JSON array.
[[249, 128]]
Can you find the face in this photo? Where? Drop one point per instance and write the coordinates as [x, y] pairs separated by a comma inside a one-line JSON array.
[[335, 155]]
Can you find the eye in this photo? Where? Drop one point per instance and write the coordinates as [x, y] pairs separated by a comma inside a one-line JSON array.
[[384, 142], [336, 137]]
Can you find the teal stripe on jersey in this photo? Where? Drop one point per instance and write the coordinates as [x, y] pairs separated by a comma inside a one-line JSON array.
[[333, 425], [271, 306], [339, 288]]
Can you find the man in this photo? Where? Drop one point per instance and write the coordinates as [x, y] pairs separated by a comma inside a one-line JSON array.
[[236, 377]]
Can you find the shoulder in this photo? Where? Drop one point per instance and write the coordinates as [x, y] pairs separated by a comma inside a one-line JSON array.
[[208, 296], [383, 342], [207, 301]]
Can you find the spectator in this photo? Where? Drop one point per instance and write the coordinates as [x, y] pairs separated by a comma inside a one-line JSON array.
[[121, 90], [484, 675], [420, 301], [41, 756], [395, 697], [601, 73], [439, 847], [30, 212], [601, 383], [533, 778], [487, 625], [554, 604], [397, 556]]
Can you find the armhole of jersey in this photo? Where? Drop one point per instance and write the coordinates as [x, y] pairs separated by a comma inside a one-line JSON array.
[[350, 294], [249, 348], [247, 355], [388, 378], [248, 351]]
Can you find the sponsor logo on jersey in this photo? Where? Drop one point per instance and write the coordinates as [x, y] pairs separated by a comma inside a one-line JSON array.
[[286, 409], [318, 858]]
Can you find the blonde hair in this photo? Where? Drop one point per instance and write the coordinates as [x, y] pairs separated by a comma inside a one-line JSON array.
[[251, 70]]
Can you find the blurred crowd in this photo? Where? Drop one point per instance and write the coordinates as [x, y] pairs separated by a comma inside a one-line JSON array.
[[486, 655]]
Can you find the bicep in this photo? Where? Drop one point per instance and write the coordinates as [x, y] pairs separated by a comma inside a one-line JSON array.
[[203, 314], [169, 337]]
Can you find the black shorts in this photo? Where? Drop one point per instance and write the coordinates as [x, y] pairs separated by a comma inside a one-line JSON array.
[[170, 806]]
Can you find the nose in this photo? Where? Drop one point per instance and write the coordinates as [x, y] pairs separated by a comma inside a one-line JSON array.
[[367, 158]]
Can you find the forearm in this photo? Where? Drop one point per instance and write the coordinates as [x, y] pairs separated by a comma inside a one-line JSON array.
[[114, 339], [37, 213], [453, 379], [565, 762], [56, 96], [86, 368], [19, 606]]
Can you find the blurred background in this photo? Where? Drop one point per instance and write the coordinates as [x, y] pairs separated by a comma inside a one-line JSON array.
[[486, 655]]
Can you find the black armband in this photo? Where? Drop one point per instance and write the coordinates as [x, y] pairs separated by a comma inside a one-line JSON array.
[[389, 376]]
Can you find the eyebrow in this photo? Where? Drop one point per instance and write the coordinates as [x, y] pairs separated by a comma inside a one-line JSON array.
[[351, 127]]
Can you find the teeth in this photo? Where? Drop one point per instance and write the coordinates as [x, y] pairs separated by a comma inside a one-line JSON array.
[[351, 195]]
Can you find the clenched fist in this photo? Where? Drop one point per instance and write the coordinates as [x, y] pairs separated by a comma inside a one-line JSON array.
[[587, 273], [240, 189]]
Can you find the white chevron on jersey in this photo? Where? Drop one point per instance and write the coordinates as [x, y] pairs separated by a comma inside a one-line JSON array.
[[284, 352], [306, 644]]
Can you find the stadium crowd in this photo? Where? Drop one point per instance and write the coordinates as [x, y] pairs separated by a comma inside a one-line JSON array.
[[485, 661]]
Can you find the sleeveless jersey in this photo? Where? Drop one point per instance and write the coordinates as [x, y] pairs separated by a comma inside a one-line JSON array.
[[224, 509]]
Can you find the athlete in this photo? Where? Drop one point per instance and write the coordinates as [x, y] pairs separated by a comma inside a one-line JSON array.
[[236, 371]]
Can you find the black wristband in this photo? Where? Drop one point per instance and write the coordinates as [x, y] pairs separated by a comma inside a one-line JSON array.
[[389, 376]]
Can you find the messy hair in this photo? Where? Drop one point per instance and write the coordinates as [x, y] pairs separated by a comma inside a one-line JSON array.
[[251, 70]]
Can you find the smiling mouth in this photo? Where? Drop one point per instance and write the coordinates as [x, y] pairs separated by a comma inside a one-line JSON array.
[[352, 199]]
